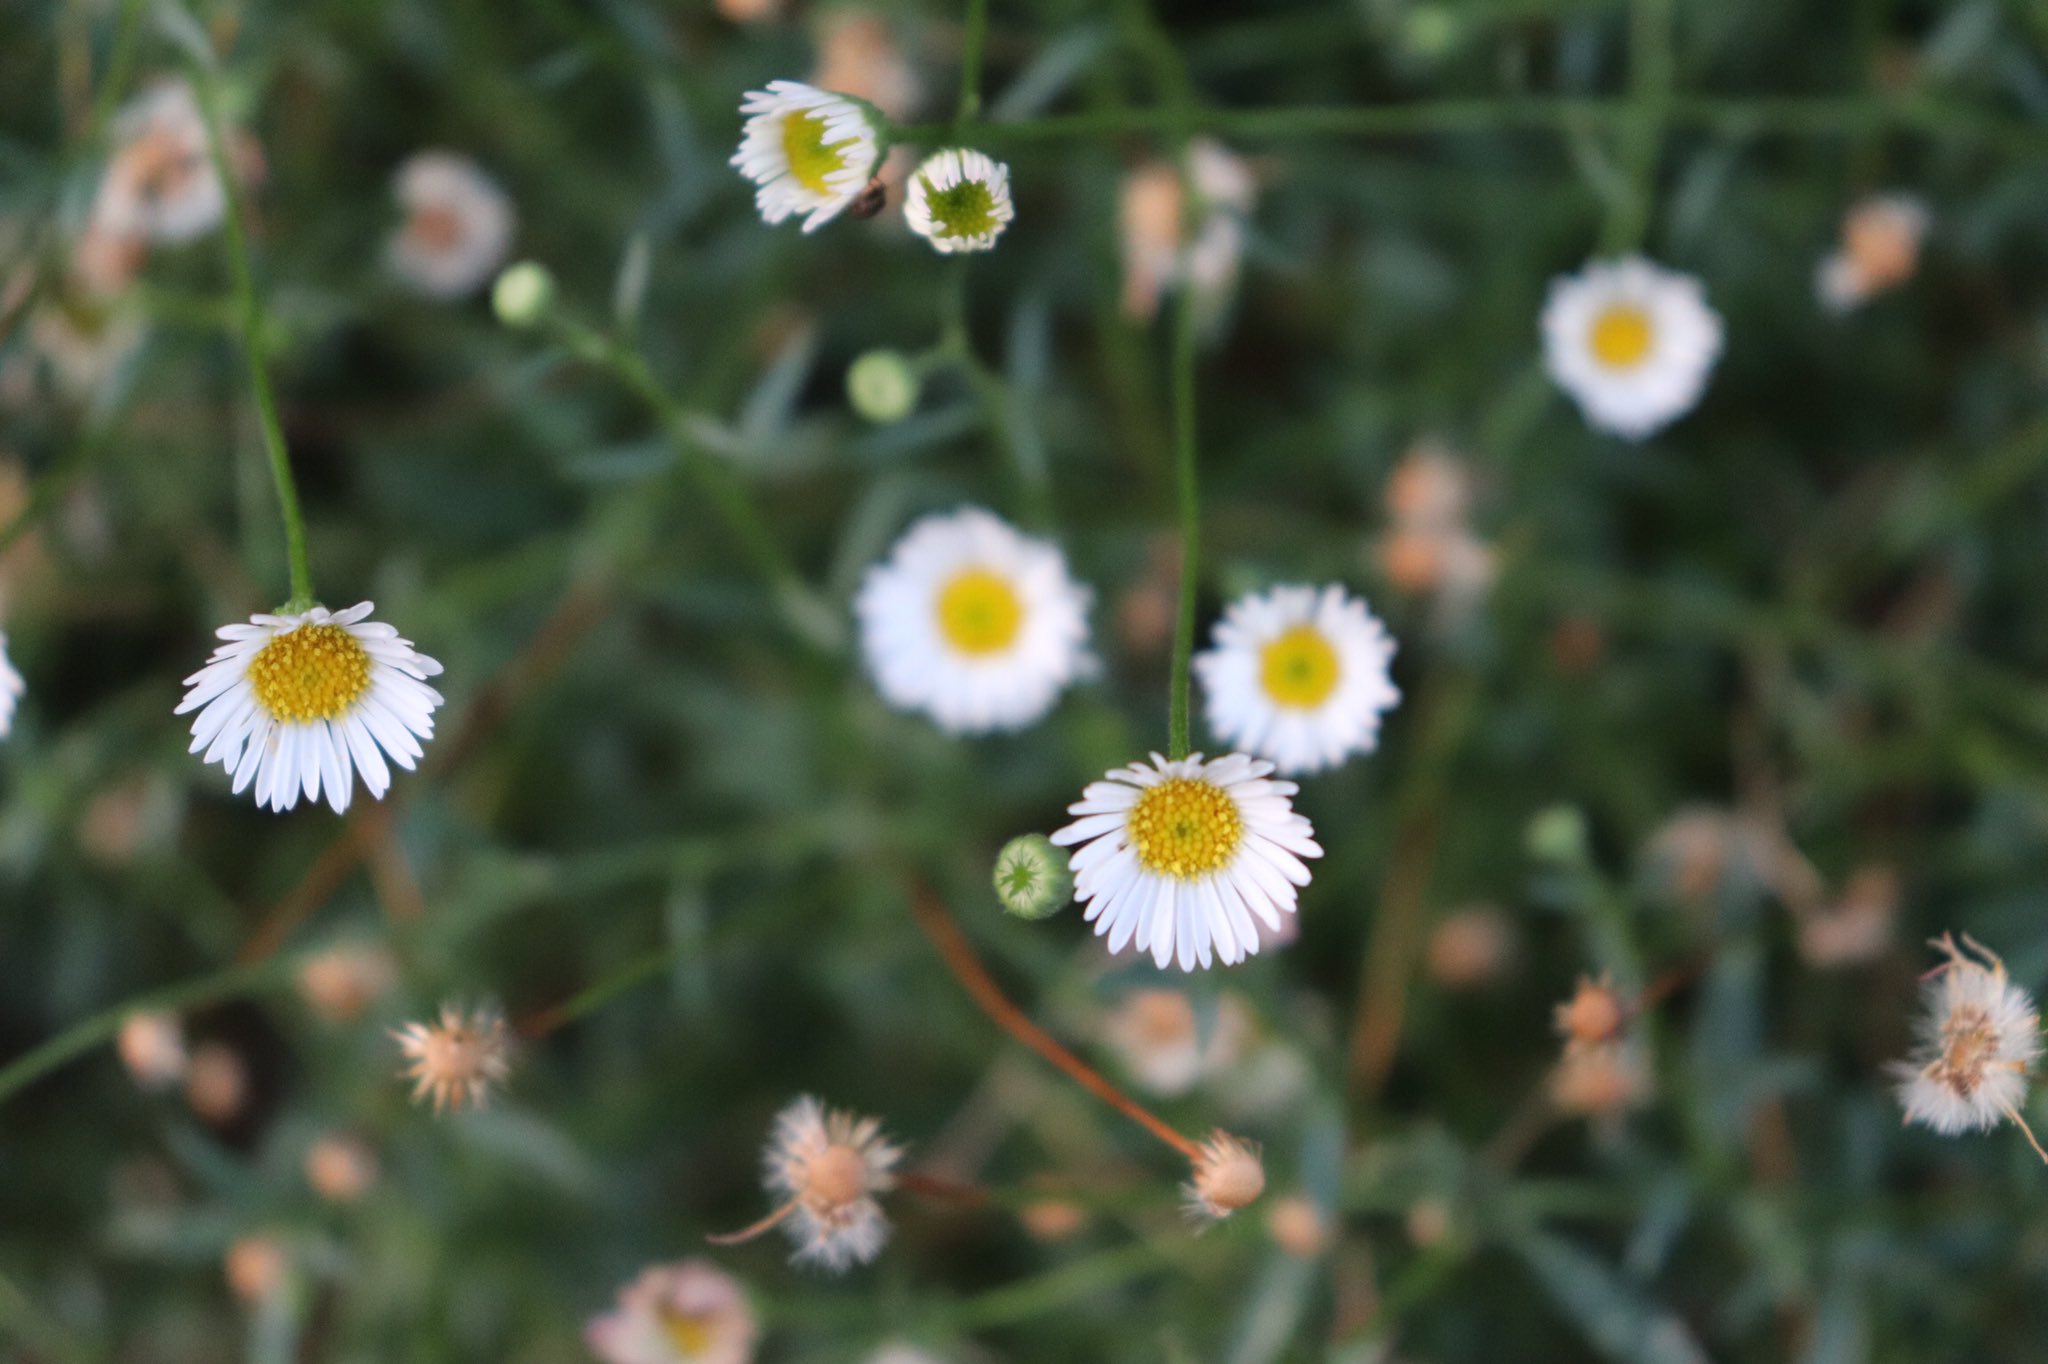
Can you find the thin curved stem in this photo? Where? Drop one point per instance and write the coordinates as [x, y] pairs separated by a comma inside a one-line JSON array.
[[255, 342], [1187, 496]]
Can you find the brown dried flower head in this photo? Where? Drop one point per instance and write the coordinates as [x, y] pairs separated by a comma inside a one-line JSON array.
[[1228, 1176], [456, 1061]]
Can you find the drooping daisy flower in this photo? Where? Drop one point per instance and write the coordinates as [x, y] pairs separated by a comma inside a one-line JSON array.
[[972, 623], [458, 225], [1978, 1043], [456, 1061], [811, 151], [1880, 250], [160, 184], [1631, 342], [300, 703], [1153, 221], [12, 688], [959, 200], [1177, 857], [690, 1312], [1228, 1175], [1298, 675], [826, 1165]]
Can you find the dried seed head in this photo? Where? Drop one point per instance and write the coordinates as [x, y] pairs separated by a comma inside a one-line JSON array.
[[1979, 1040], [1297, 1227], [827, 1166], [456, 1061], [216, 1083], [1053, 1219], [255, 1267], [1228, 1175], [1594, 1014], [152, 1046], [1469, 948], [340, 1168], [1600, 1081], [341, 982]]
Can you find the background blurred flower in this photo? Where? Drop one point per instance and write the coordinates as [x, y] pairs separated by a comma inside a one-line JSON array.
[[690, 1312], [1631, 342], [457, 229]]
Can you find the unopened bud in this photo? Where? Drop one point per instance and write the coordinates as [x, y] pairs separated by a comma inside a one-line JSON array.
[[1031, 877], [523, 294], [1557, 834], [882, 386]]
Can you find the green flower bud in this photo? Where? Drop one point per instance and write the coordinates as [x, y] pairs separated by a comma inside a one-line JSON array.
[[1031, 877], [523, 294], [882, 386], [1557, 834]]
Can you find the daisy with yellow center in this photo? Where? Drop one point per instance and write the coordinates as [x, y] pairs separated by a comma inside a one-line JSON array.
[[972, 623], [457, 229], [1631, 342], [959, 201], [691, 1312], [1298, 675], [299, 704], [809, 151], [1177, 857]]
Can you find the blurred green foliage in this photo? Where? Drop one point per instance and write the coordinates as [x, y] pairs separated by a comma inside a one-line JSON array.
[[1813, 601]]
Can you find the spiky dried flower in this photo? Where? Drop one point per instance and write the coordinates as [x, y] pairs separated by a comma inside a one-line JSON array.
[[1228, 1176], [456, 1061], [1978, 1042]]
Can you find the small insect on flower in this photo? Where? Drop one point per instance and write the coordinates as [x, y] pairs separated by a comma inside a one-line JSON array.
[[1228, 1176], [1978, 1042], [809, 151], [12, 688], [827, 1166], [1178, 856], [457, 229], [456, 1061], [1298, 675], [972, 623], [690, 1312], [1631, 342], [1880, 250], [300, 703], [959, 200]]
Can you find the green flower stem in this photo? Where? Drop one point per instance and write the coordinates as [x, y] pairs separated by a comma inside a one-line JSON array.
[[1788, 115], [255, 340], [1652, 63], [83, 1036], [1188, 498], [810, 617], [992, 397], [972, 44]]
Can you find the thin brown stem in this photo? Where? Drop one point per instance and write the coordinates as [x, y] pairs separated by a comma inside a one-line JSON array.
[[966, 967], [2032, 1140], [766, 1224]]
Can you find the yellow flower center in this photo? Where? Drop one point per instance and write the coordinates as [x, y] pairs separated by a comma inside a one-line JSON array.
[[1185, 827], [1621, 336], [810, 160], [688, 1335], [1299, 668], [315, 672], [979, 612]]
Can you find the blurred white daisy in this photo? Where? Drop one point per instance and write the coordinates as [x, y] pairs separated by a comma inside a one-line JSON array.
[[959, 200], [1978, 1043], [456, 1061], [810, 151], [973, 623], [1631, 342], [827, 1165], [458, 225], [691, 1312], [12, 688], [299, 704], [1153, 221], [160, 184], [1298, 675], [1880, 250], [1177, 857]]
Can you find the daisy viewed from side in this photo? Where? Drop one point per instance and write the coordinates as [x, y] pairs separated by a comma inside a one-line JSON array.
[[1177, 857], [457, 229], [299, 703], [810, 151], [827, 1165], [959, 200], [1978, 1042], [1298, 675], [12, 689], [691, 1312], [972, 623], [1631, 342]]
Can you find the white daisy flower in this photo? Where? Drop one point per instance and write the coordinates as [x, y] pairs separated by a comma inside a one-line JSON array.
[[1177, 857], [973, 623], [827, 1165], [1631, 342], [811, 151], [300, 703], [12, 688], [1298, 675], [457, 229], [1978, 1043], [160, 184], [691, 1312], [959, 200]]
